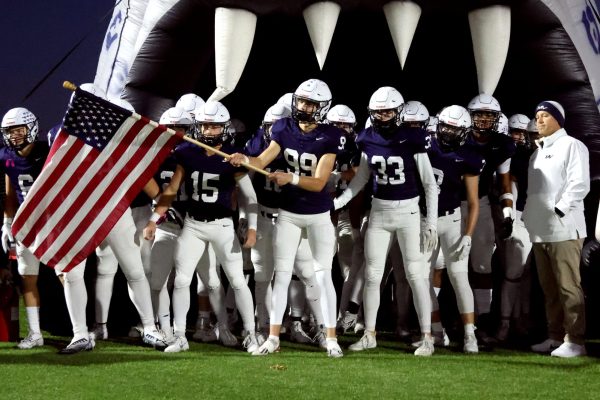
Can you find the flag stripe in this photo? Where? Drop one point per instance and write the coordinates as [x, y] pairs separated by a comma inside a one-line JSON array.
[[113, 216], [92, 183], [58, 186], [119, 183]]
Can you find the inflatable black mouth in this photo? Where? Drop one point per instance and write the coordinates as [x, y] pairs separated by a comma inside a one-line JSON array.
[[178, 57]]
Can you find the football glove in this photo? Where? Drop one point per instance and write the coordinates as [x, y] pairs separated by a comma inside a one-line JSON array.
[[429, 238], [7, 237], [463, 249]]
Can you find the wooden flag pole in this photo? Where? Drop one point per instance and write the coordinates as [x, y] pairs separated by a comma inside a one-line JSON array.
[[71, 86]]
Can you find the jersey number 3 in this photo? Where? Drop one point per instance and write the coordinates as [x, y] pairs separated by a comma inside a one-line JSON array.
[[381, 163]]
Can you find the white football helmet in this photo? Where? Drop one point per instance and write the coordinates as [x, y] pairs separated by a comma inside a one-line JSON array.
[[274, 113], [16, 118], [385, 100], [190, 102], [485, 113], [517, 128], [343, 117], [177, 117], [313, 91], [415, 114], [503, 124], [286, 100], [121, 103], [454, 123], [212, 113]]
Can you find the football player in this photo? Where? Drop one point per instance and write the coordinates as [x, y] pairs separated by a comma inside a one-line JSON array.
[[122, 244], [396, 158], [456, 167], [309, 148], [518, 246], [22, 159], [348, 218], [209, 183], [496, 149], [269, 201]]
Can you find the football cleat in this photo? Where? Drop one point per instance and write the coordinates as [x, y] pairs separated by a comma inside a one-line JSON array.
[[333, 349], [32, 340], [205, 331], [226, 337], [99, 332], [346, 323], [179, 344], [79, 345], [321, 338], [136, 331], [367, 341], [271, 345], [470, 346], [250, 342], [359, 327], [426, 349], [439, 339], [297, 334], [154, 338]]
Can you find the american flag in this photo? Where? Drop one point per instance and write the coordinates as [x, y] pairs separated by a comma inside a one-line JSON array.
[[100, 160]]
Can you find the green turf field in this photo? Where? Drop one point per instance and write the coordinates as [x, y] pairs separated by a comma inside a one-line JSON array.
[[123, 369]]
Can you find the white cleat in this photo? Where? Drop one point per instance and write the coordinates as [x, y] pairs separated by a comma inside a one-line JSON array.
[[99, 332], [154, 338], [271, 345], [226, 337], [470, 346], [179, 344], [77, 346], [205, 332], [297, 334], [250, 342], [439, 339], [347, 322], [367, 341], [426, 349], [32, 340], [333, 349]]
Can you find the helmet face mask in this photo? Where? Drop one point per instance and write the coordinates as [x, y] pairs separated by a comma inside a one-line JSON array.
[[341, 116], [275, 112], [311, 101], [414, 115], [212, 124], [485, 114], [19, 128], [453, 127], [517, 128], [385, 107]]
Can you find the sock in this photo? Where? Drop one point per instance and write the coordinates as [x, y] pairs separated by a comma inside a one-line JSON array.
[[33, 319], [469, 329]]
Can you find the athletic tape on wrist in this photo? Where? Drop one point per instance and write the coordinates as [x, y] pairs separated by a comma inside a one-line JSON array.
[[155, 217], [295, 179]]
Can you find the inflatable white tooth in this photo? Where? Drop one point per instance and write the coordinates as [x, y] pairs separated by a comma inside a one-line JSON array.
[[490, 33], [402, 18], [320, 19], [234, 35]]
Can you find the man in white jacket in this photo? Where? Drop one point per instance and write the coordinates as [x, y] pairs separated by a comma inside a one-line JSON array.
[[559, 179]]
